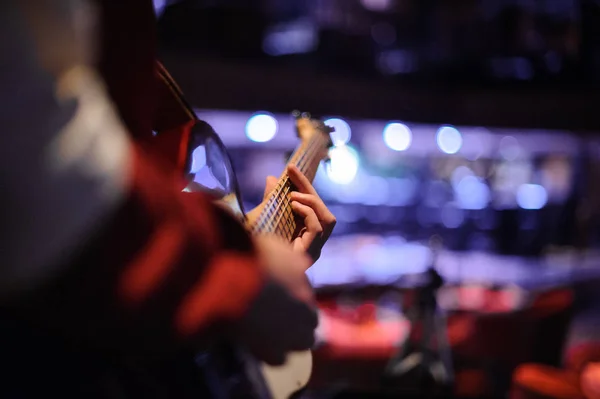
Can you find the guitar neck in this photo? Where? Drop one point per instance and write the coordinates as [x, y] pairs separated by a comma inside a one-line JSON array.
[[277, 216]]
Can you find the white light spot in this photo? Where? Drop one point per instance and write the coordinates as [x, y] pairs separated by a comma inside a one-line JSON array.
[[449, 139], [397, 136], [343, 164], [472, 193], [342, 132], [261, 128], [532, 196]]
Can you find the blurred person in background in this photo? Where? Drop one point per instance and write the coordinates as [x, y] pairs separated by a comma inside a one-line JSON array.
[[104, 257]]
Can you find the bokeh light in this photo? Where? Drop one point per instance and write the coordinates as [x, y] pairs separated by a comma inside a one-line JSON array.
[[449, 139], [397, 136], [342, 133], [261, 127], [509, 148], [532, 196], [343, 164], [472, 193]]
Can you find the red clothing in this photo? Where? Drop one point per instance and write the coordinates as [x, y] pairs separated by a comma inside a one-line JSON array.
[[167, 266]]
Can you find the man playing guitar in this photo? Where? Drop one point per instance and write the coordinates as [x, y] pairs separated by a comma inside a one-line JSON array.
[[103, 253]]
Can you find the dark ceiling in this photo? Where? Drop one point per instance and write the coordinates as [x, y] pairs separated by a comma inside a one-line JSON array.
[[474, 62]]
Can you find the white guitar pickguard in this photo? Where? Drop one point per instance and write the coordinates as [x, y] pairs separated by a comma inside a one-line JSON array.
[[285, 380]]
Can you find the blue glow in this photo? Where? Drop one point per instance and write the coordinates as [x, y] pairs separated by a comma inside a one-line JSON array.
[[532, 196], [509, 148], [452, 217], [198, 159], [343, 165], [397, 136], [159, 6], [449, 139], [342, 132], [261, 128], [402, 191], [299, 36], [437, 193], [459, 174], [377, 191], [393, 62], [376, 5], [472, 193]]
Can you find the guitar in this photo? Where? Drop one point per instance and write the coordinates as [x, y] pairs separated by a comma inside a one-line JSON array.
[[198, 153], [234, 373]]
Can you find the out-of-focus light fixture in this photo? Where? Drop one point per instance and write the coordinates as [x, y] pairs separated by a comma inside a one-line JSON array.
[[397, 136], [342, 133], [261, 127], [343, 164], [449, 139], [531, 196], [472, 193]]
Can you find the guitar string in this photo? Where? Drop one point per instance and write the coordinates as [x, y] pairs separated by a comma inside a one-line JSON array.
[[286, 184], [276, 224], [274, 208], [283, 185]]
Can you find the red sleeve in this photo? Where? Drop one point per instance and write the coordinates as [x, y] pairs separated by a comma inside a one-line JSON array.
[[165, 268]]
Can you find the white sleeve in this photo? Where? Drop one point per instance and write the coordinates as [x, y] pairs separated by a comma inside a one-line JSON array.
[[64, 155]]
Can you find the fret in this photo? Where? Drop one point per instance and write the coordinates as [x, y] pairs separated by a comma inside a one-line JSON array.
[[278, 216], [289, 232]]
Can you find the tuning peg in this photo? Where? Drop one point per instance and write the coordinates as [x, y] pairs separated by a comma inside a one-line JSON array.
[[306, 115], [297, 114]]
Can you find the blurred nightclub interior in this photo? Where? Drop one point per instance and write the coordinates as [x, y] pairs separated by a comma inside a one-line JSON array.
[[471, 121]]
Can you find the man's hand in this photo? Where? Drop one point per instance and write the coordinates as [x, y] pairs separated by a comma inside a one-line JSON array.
[[318, 220], [282, 318]]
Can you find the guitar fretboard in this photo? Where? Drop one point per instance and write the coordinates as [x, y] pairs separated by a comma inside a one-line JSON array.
[[278, 217]]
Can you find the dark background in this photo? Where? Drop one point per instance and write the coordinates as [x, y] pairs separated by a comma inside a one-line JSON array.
[[499, 63]]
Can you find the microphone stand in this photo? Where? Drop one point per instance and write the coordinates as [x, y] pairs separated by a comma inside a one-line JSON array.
[[424, 361]]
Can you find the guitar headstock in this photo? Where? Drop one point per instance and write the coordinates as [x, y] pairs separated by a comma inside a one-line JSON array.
[[308, 127]]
